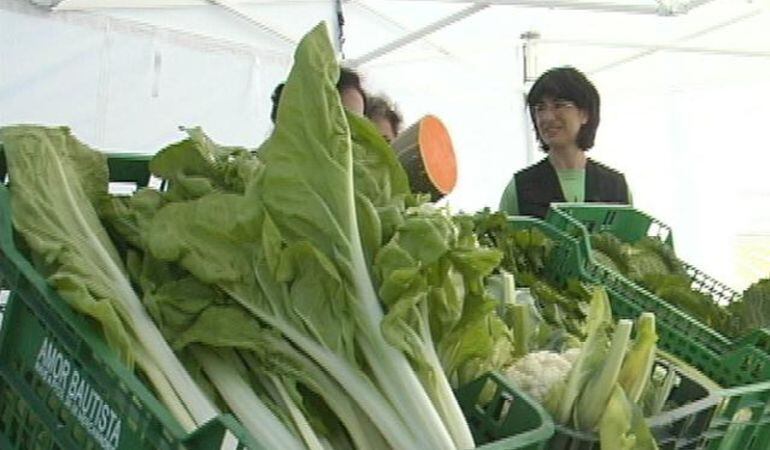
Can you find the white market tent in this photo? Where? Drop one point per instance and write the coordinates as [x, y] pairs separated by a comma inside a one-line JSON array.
[[685, 88]]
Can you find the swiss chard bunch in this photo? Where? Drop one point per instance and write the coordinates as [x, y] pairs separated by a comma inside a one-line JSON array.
[[525, 250], [564, 308], [647, 257], [336, 285], [57, 189], [753, 309]]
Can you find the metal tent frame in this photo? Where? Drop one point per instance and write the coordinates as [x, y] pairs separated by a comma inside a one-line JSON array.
[[661, 8]]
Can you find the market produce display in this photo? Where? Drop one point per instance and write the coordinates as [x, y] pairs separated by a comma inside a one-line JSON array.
[[599, 385], [563, 361], [654, 266], [305, 288]]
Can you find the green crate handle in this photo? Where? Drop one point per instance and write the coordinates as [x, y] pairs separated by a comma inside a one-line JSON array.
[[509, 420], [626, 222]]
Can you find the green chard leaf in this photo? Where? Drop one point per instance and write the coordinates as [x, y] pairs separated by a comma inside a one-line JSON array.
[[57, 185]]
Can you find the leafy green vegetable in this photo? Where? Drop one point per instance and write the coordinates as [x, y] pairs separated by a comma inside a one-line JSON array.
[[561, 401], [604, 260], [637, 366], [753, 310], [525, 251], [658, 390], [221, 368], [598, 389], [564, 308], [610, 251], [615, 426], [622, 425], [676, 290], [653, 265], [197, 166], [291, 239], [438, 312], [647, 257], [524, 328], [641, 431], [57, 184]]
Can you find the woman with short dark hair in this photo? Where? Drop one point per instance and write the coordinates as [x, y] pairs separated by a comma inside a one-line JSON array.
[[564, 106]]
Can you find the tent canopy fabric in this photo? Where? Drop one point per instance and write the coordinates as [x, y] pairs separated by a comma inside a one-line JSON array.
[[684, 84]]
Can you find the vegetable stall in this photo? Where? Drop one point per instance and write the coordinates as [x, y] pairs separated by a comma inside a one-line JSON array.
[[301, 296]]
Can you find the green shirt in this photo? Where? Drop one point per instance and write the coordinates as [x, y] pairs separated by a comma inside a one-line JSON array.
[[573, 186]]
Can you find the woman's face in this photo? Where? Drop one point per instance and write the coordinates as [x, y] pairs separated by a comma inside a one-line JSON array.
[[353, 100], [558, 121]]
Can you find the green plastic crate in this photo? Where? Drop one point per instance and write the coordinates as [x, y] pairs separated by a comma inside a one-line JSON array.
[[129, 168], [743, 367], [511, 420], [630, 225], [706, 349], [623, 221]]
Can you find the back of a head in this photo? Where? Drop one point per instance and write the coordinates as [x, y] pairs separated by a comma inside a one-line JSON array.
[[380, 108], [351, 80], [568, 83]]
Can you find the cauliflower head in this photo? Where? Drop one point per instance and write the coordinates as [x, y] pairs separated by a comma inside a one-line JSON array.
[[537, 372]]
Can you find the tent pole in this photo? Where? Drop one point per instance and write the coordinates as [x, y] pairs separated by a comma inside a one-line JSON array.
[[642, 54], [661, 47], [390, 21], [340, 27], [240, 12], [418, 34], [597, 6], [530, 72], [692, 4]]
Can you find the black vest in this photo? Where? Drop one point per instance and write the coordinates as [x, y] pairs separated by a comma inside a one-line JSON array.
[[538, 186]]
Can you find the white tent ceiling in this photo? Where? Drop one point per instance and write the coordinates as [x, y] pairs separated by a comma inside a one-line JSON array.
[[685, 85], [689, 25], [600, 37]]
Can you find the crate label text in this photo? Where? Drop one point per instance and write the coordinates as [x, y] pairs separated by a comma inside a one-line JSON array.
[[85, 403]]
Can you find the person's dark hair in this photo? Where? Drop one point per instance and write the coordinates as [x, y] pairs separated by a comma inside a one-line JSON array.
[[350, 79], [567, 83], [276, 97], [381, 107]]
